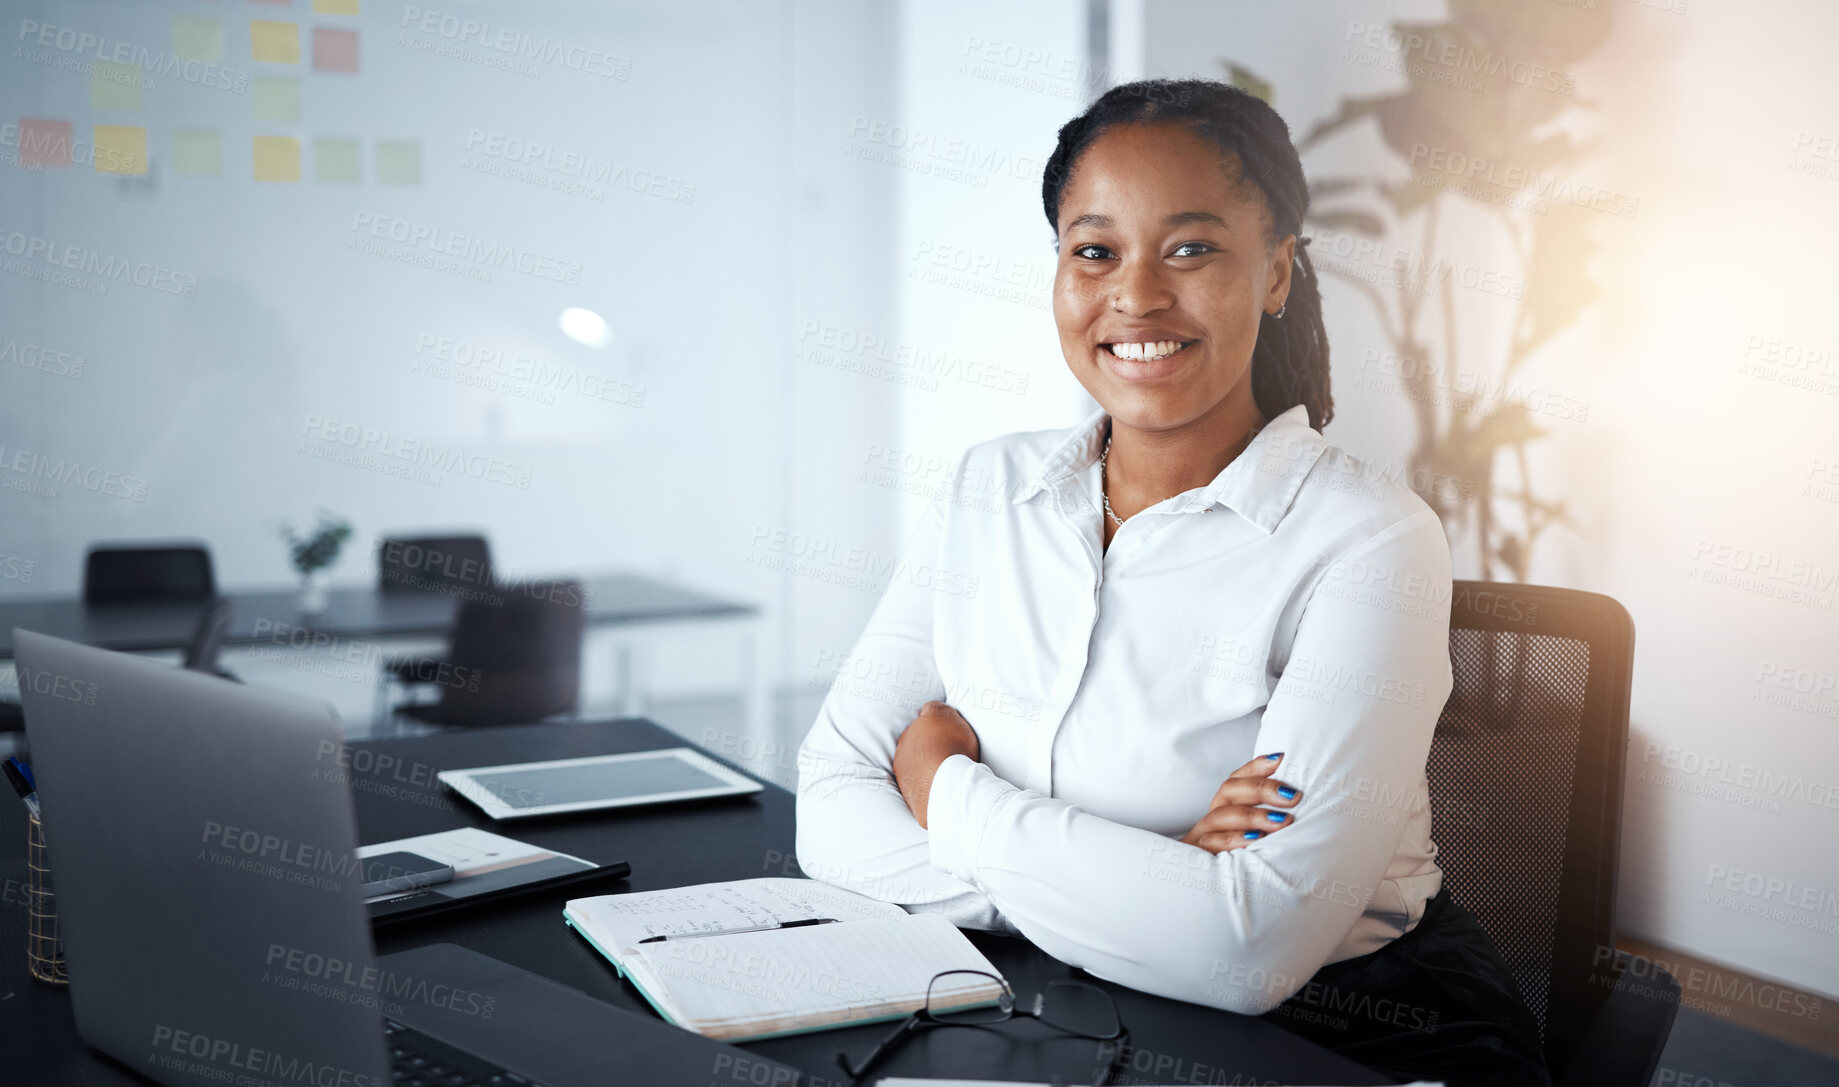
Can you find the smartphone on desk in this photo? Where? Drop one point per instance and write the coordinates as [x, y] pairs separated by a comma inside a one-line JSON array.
[[388, 873]]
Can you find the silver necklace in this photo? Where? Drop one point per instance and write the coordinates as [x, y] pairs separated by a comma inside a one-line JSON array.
[[1102, 496]]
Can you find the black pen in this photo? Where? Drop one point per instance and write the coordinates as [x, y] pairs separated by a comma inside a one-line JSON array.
[[731, 931], [16, 773], [17, 777]]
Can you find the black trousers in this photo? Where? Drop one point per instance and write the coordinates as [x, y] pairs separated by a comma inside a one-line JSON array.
[[1437, 1003]]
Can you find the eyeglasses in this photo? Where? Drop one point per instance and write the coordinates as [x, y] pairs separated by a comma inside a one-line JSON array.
[[1071, 1007]]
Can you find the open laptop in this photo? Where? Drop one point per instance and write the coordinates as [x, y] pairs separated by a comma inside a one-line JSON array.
[[203, 852]]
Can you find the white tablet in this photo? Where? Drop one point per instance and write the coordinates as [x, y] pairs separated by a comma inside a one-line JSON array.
[[598, 781]]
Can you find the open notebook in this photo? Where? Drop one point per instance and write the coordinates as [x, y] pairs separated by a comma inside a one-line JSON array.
[[873, 964]]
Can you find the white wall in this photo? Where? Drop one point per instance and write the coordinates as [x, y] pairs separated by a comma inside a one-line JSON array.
[[1685, 465], [985, 90], [968, 350]]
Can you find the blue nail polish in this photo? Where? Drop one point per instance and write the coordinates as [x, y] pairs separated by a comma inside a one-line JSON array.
[[1250, 834], [1279, 755], [1277, 816], [1286, 792]]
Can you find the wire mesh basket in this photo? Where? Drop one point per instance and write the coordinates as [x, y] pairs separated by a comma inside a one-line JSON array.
[[44, 950]]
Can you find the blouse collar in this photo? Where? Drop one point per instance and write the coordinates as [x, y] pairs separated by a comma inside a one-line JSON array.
[[1259, 485]]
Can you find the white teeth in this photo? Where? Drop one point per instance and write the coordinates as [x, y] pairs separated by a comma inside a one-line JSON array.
[[1145, 352]]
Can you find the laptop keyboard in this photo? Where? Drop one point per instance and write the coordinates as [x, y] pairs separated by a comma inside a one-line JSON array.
[[417, 1060]]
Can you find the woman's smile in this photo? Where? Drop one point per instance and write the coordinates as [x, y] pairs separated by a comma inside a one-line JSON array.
[[1151, 360]]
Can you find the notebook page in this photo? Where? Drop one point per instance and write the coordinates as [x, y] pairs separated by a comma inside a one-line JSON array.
[[616, 922], [761, 983]]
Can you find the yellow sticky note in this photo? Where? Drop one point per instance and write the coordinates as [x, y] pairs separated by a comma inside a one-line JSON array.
[[276, 98], [114, 86], [274, 42], [336, 7], [197, 37], [121, 149], [336, 162], [398, 162], [197, 151], [277, 158]]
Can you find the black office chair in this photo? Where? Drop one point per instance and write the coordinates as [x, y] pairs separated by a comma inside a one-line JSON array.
[[513, 657], [425, 564], [1526, 800], [460, 566], [133, 573]]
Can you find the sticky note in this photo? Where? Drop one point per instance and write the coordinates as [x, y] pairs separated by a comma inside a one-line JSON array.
[[114, 86], [336, 162], [197, 37], [335, 50], [44, 143], [274, 42], [336, 7], [275, 98], [197, 152], [398, 162], [277, 158], [120, 149]]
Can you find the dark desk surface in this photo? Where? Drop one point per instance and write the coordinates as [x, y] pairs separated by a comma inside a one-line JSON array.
[[261, 616], [672, 846]]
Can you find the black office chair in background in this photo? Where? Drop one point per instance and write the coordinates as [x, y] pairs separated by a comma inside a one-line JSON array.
[[121, 573], [428, 564], [460, 566], [513, 657], [151, 571], [1526, 800]]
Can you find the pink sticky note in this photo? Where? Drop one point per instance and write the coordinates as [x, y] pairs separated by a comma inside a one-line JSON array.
[[44, 142], [335, 50]]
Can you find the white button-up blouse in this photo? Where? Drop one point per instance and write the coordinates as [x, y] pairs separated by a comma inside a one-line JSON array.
[[1299, 603]]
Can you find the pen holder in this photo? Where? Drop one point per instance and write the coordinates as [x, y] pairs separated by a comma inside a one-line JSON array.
[[44, 950]]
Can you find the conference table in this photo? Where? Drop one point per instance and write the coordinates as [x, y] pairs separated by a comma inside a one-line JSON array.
[[271, 616], [1172, 1042]]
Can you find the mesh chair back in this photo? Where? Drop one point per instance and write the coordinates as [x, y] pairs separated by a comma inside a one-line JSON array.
[[1526, 786], [515, 655], [126, 573], [434, 564]]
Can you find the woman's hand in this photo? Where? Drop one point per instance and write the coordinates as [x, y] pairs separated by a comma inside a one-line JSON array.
[[1234, 819], [938, 733]]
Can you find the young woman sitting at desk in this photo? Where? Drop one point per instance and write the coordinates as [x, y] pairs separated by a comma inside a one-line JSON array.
[[1184, 675]]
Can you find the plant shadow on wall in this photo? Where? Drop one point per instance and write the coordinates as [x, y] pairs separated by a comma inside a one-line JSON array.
[[1484, 116]]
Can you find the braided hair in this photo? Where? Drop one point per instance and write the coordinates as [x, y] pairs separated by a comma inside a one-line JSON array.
[[1290, 361]]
